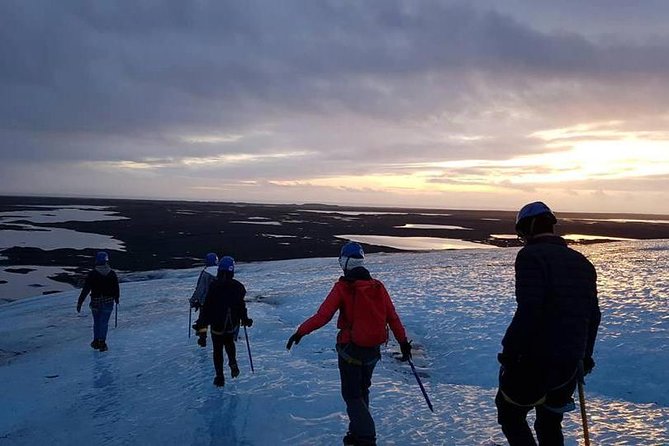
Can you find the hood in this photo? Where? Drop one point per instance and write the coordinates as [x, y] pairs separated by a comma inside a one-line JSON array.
[[212, 270], [103, 269], [358, 273]]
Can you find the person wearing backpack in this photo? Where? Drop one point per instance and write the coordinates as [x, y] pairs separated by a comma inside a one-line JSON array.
[[548, 345], [224, 310], [102, 284], [365, 311], [207, 276]]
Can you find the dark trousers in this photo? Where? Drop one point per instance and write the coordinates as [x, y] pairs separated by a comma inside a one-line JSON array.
[[356, 366], [548, 424], [226, 340]]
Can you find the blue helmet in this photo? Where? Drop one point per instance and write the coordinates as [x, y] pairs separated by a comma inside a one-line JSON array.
[[211, 259], [530, 211], [101, 258], [227, 263], [352, 249]]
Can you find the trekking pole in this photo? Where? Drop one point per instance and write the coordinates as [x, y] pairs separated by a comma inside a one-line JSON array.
[[581, 403], [190, 315], [116, 316], [422, 389], [584, 417], [248, 347]]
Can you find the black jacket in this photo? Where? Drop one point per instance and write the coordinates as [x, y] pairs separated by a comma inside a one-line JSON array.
[[224, 307], [558, 313], [102, 283]]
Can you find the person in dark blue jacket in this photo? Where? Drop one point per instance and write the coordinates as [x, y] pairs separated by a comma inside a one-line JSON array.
[[224, 310], [549, 343], [102, 284]]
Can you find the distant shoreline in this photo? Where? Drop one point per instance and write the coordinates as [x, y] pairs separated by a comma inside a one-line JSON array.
[[43, 199], [148, 235]]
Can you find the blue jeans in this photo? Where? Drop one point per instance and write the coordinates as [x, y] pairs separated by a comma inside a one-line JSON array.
[[101, 315]]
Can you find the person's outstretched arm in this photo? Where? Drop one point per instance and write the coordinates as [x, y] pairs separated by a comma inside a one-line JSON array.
[[324, 314], [84, 292]]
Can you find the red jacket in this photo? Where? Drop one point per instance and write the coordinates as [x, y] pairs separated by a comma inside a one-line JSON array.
[[341, 298]]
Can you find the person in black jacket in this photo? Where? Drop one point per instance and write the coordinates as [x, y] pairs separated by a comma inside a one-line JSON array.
[[102, 284], [223, 310], [549, 344]]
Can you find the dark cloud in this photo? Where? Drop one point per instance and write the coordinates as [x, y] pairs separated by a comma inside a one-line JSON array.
[[117, 66], [356, 85]]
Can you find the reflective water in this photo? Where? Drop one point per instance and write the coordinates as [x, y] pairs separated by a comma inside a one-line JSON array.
[[422, 226], [587, 237], [414, 243]]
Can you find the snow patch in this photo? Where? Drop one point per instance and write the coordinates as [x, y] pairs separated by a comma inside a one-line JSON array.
[[251, 222], [154, 385], [57, 238]]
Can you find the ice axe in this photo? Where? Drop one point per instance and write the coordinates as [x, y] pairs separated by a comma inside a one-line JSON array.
[[248, 347], [422, 389], [581, 403], [190, 316]]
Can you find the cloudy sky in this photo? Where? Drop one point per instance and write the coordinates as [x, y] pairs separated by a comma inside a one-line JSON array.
[[454, 104]]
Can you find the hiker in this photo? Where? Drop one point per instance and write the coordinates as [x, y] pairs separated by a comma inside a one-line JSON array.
[[207, 276], [102, 284], [549, 344], [224, 310], [365, 310]]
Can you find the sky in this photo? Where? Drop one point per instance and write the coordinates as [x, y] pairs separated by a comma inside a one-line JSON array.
[[481, 104]]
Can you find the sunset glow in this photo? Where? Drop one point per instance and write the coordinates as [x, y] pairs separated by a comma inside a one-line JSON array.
[[583, 160]]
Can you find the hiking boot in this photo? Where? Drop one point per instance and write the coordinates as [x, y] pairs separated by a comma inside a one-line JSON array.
[[219, 381], [366, 441], [234, 370], [95, 344], [102, 346], [353, 440]]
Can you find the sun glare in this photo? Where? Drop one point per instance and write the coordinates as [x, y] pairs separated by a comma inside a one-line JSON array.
[[580, 153]]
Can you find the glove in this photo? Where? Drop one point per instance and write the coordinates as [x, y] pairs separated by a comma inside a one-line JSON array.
[[202, 340], [195, 305], [405, 348], [116, 300], [294, 338], [588, 365], [79, 307], [247, 322]]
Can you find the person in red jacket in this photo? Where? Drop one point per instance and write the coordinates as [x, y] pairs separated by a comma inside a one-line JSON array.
[[365, 312]]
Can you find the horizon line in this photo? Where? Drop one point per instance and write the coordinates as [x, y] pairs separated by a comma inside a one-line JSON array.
[[303, 204]]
